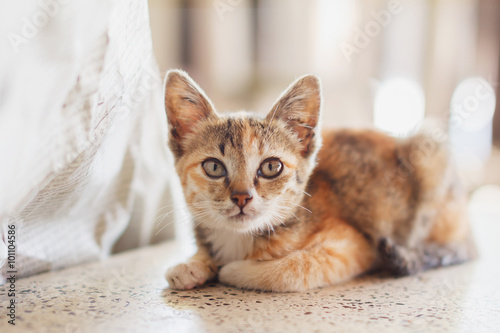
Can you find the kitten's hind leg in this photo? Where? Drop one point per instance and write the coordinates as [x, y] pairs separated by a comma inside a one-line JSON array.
[[402, 261]]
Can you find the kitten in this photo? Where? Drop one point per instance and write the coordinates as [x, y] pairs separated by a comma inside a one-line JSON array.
[[273, 211]]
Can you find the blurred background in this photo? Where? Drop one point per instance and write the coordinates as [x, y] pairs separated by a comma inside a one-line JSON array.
[[393, 65]]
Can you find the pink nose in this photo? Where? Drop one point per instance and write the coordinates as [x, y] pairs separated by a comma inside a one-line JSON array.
[[241, 198]]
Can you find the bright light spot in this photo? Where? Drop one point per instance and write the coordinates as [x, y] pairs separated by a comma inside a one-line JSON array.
[[472, 105], [470, 127], [399, 107]]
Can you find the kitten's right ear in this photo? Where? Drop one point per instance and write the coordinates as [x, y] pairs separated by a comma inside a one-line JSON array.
[[185, 103]]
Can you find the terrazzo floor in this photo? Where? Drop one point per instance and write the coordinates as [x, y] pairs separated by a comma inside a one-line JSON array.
[[127, 293]]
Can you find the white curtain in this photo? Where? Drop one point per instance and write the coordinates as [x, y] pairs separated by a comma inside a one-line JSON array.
[[83, 157]]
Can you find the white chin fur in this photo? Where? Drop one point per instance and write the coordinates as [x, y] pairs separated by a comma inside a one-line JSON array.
[[234, 240], [229, 245], [246, 225]]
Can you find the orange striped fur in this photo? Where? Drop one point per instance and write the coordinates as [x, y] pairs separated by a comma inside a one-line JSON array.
[[274, 211]]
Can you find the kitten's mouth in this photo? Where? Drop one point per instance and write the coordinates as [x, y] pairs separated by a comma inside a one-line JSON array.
[[240, 217]]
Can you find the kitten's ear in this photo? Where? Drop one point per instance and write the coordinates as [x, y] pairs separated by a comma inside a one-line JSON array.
[[300, 107], [185, 103]]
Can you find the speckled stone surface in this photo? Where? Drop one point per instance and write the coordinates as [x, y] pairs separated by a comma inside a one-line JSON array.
[[127, 293]]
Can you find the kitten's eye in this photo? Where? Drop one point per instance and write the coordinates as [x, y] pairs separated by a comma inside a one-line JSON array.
[[214, 168], [271, 168]]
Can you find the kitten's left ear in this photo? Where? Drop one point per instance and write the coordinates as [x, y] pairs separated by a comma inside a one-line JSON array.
[[300, 107]]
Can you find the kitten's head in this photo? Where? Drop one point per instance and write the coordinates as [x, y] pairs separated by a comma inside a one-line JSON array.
[[242, 172]]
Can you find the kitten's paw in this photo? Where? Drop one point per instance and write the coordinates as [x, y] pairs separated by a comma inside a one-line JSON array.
[[188, 275], [241, 274]]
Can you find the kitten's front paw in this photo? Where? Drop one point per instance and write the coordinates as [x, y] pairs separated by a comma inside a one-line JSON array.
[[241, 274], [188, 275]]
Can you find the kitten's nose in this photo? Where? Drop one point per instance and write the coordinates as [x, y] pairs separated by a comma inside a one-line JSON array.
[[241, 198]]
